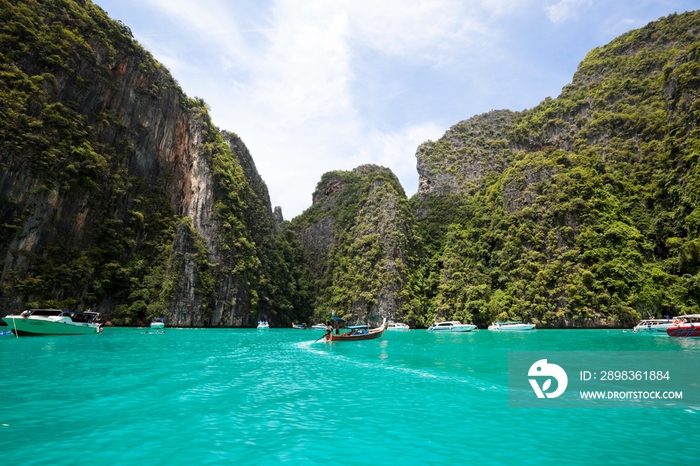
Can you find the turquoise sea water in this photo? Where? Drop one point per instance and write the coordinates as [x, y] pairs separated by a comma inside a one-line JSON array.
[[213, 396]]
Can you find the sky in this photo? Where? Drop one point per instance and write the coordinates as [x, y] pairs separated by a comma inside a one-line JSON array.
[[313, 86]]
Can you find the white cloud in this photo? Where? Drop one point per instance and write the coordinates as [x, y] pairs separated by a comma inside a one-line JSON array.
[[392, 149], [322, 85], [289, 88], [298, 112], [565, 9], [421, 30], [212, 20]]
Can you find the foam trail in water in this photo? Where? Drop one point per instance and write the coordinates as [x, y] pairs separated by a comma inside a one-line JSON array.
[[471, 381]]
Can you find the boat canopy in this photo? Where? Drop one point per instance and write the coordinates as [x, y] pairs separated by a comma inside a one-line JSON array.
[[58, 312], [510, 322], [45, 312], [358, 327]]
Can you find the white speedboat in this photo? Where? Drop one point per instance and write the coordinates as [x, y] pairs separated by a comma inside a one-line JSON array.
[[263, 325], [653, 326], [451, 326], [511, 325], [398, 326], [158, 323], [320, 327], [53, 322]]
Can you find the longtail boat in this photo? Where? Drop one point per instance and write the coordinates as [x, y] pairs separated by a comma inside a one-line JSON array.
[[353, 332]]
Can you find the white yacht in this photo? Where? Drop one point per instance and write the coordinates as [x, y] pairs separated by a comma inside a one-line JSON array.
[[158, 323], [511, 325], [653, 326], [319, 327], [263, 325], [451, 326], [398, 326], [53, 322]]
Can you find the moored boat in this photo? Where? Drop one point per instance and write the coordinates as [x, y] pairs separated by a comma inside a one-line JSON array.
[[451, 326], [511, 325], [53, 322], [652, 326], [300, 326], [323, 327], [353, 332], [263, 325], [158, 323], [398, 326], [685, 326]]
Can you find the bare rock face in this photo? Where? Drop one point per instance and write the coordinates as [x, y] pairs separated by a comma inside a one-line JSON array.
[[325, 193], [277, 212], [185, 307], [456, 162], [318, 240]]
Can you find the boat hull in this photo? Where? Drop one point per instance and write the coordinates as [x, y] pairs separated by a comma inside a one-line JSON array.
[[512, 328], [29, 326], [651, 330], [397, 327], [684, 330], [454, 329], [347, 336]]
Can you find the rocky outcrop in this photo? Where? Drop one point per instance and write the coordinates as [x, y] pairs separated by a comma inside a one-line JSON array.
[[357, 236], [456, 162]]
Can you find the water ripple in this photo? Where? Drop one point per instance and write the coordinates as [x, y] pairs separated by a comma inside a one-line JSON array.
[[248, 397]]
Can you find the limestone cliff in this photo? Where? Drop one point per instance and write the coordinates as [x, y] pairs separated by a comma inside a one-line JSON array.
[[582, 211], [359, 240], [116, 190]]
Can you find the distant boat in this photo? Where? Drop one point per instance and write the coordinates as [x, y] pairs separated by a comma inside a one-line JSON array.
[[511, 325], [451, 326], [158, 323], [263, 325], [398, 326], [53, 322], [323, 327], [685, 326], [652, 326], [353, 332], [300, 326]]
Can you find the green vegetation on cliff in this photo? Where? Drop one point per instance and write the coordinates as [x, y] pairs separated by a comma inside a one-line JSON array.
[[588, 212]]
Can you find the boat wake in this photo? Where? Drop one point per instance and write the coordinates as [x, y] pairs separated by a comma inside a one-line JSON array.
[[473, 382]]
